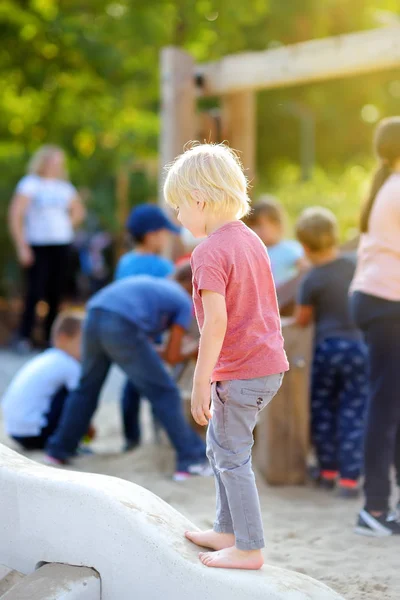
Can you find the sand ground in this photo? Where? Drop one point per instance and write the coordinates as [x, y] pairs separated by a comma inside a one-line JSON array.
[[307, 530]]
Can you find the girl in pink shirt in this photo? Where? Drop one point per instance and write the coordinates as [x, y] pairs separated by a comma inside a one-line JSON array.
[[376, 309], [241, 357]]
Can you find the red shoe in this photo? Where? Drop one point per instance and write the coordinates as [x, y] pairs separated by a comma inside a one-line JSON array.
[[327, 479], [349, 488]]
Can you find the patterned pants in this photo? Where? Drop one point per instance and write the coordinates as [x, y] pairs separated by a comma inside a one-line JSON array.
[[338, 403]]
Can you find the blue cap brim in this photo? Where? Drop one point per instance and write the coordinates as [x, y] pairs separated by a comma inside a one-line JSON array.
[[173, 228]]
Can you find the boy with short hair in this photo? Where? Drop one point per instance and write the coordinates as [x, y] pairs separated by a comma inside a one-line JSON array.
[[33, 402], [241, 356], [267, 219], [149, 228], [339, 385], [122, 322]]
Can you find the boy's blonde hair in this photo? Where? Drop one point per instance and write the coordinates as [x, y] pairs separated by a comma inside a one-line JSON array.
[[215, 172], [317, 229], [68, 323]]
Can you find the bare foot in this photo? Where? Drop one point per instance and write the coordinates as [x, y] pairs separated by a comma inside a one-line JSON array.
[[211, 539], [232, 558]]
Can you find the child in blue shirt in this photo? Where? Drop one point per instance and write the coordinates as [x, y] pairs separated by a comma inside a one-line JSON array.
[[149, 228], [122, 321], [287, 256]]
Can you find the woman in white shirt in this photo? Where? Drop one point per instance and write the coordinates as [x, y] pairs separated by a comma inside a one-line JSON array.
[[43, 213]]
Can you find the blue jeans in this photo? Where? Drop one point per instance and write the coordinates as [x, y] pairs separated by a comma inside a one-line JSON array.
[[109, 338], [130, 405]]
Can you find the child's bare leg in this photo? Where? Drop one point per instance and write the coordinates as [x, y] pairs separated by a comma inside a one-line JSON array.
[[211, 539], [233, 558]]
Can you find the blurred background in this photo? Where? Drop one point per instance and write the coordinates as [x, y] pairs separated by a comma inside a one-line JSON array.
[[85, 75]]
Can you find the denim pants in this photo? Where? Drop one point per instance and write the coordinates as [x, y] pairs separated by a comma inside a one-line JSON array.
[[235, 408], [109, 338], [338, 402], [130, 406], [379, 320]]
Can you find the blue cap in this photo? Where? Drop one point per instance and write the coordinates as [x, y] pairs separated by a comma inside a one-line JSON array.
[[147, 218]]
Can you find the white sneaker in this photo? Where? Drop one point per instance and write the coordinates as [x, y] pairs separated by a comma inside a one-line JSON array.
[[201, 469], [197, 470]]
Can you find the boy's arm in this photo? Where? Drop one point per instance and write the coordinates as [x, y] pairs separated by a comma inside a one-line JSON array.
[[212, 338], [303, 315], [306, 300], [173, 353]]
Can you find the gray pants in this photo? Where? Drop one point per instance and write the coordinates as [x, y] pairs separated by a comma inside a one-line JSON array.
[[235, 408]]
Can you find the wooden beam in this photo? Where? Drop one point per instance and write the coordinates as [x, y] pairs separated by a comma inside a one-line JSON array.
[[239, 127], [315, 60], [178, 111]]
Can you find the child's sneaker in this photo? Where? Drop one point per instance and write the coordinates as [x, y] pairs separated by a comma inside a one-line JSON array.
[[181, 476], [196, 470], [54, 462], [382, 526], [129, 446], [84, 450], [327, 479], [348, 488]]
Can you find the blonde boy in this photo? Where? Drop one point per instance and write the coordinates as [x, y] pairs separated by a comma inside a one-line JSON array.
[[241, 353]]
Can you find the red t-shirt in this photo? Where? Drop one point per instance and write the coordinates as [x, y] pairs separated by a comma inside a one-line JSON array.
[[234, 262]]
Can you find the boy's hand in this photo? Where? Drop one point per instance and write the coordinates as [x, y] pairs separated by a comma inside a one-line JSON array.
[[200, 405]]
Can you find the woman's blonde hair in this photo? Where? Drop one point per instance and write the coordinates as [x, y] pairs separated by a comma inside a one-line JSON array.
[[37, 164], [317, 229], [215, 172]]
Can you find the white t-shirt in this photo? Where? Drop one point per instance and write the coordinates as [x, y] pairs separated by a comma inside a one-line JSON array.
[[27, 400], [47, 220]]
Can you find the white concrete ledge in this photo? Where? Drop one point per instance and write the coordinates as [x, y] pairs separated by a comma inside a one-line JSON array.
[[57, 582], [8, 578], [130, 537]]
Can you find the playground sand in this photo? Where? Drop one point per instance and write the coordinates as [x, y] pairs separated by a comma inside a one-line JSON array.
[[307, 530]]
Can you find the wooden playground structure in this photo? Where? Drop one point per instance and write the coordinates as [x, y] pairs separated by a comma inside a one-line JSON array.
[[282, 437]]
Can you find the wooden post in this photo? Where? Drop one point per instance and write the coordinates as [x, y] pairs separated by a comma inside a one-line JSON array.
[[282, 434], [239, 127], [122, 197], [178, 111]]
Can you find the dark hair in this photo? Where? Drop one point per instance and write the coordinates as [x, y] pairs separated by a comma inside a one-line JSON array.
[[183, 272], [67, 323], [387, 148], [138, 239], [269, 208]]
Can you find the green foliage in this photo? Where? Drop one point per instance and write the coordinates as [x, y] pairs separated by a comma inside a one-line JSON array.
[[342, 192], [84, 74]]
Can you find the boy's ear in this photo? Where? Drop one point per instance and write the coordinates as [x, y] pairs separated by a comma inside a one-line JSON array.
[[198, 198]]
